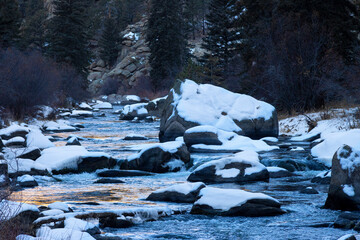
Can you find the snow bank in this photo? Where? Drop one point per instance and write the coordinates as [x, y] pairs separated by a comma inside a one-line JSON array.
[[10, 209], [325, 150], [207, 104], [225, 199], [63, 233]]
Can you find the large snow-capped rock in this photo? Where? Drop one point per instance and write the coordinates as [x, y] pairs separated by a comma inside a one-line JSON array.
[[234, 202], [13, 131], [241, 167], [181, 193], [159, 158], [74, 159], [344, 190], [325, 150], [190, 104]]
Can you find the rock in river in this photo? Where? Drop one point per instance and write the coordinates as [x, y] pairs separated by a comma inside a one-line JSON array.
[[234, 202], [239, 168], [190, 104]]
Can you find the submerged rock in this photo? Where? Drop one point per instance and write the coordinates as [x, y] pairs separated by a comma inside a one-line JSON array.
[[108, 180], [344, 190], [277, 172], [234, 202], [181, 193], [189, 104], [239, 168]]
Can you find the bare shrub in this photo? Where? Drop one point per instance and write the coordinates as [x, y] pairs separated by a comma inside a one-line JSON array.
[[27, 79]]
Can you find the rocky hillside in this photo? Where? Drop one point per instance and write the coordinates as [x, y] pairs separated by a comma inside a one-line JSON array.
[[132, 63]]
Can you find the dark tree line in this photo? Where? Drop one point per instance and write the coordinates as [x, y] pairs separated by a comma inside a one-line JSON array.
[[298, 54]]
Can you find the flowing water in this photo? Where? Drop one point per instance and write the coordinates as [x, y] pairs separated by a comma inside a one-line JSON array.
[[106, 134]]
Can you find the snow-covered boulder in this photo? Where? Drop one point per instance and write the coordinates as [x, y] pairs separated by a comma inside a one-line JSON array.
[[190, 104], [13, 131], [234, 202], [159, 158], [129, 112], [62, 233], [15, 142], [130, 99], [325, 150], [19, 167], [74, 159], [278, 172], [85, 106], [60, 206], [81, 113], [27, 181], [58, 126], [241, 167], [344, 190], [181, 193], [103, 105], [210, 139], [73, 141]]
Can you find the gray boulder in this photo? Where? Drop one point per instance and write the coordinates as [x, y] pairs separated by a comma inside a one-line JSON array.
[[218, 107], [239, 168], [344, 190], [159, 158], [206, 137]]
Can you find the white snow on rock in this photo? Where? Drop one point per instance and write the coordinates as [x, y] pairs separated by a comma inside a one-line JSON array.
[[276, 169], [28, 237], [230, 141], [63, 233], [325, 150], [81, 113], [66, 157], [184, 188], [59, 125], [270, 139], [13, 128], [297, 149], [14, 140], [10, 209], [206, 104], [78, 224], [36, 139], [59, 205], [139, 108], [85, 106], [225, 199], [246, 157], [170, 147], [103, 105], [349, 190], [23, 165], [26, 178], [133, 98], [52, 212], [175, 164]]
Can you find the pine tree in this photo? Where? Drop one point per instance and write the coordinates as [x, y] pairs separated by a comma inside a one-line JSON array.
[[109, 42], [10, 19], [33, 29], [67, 38], [166, 36], [219, 41]]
